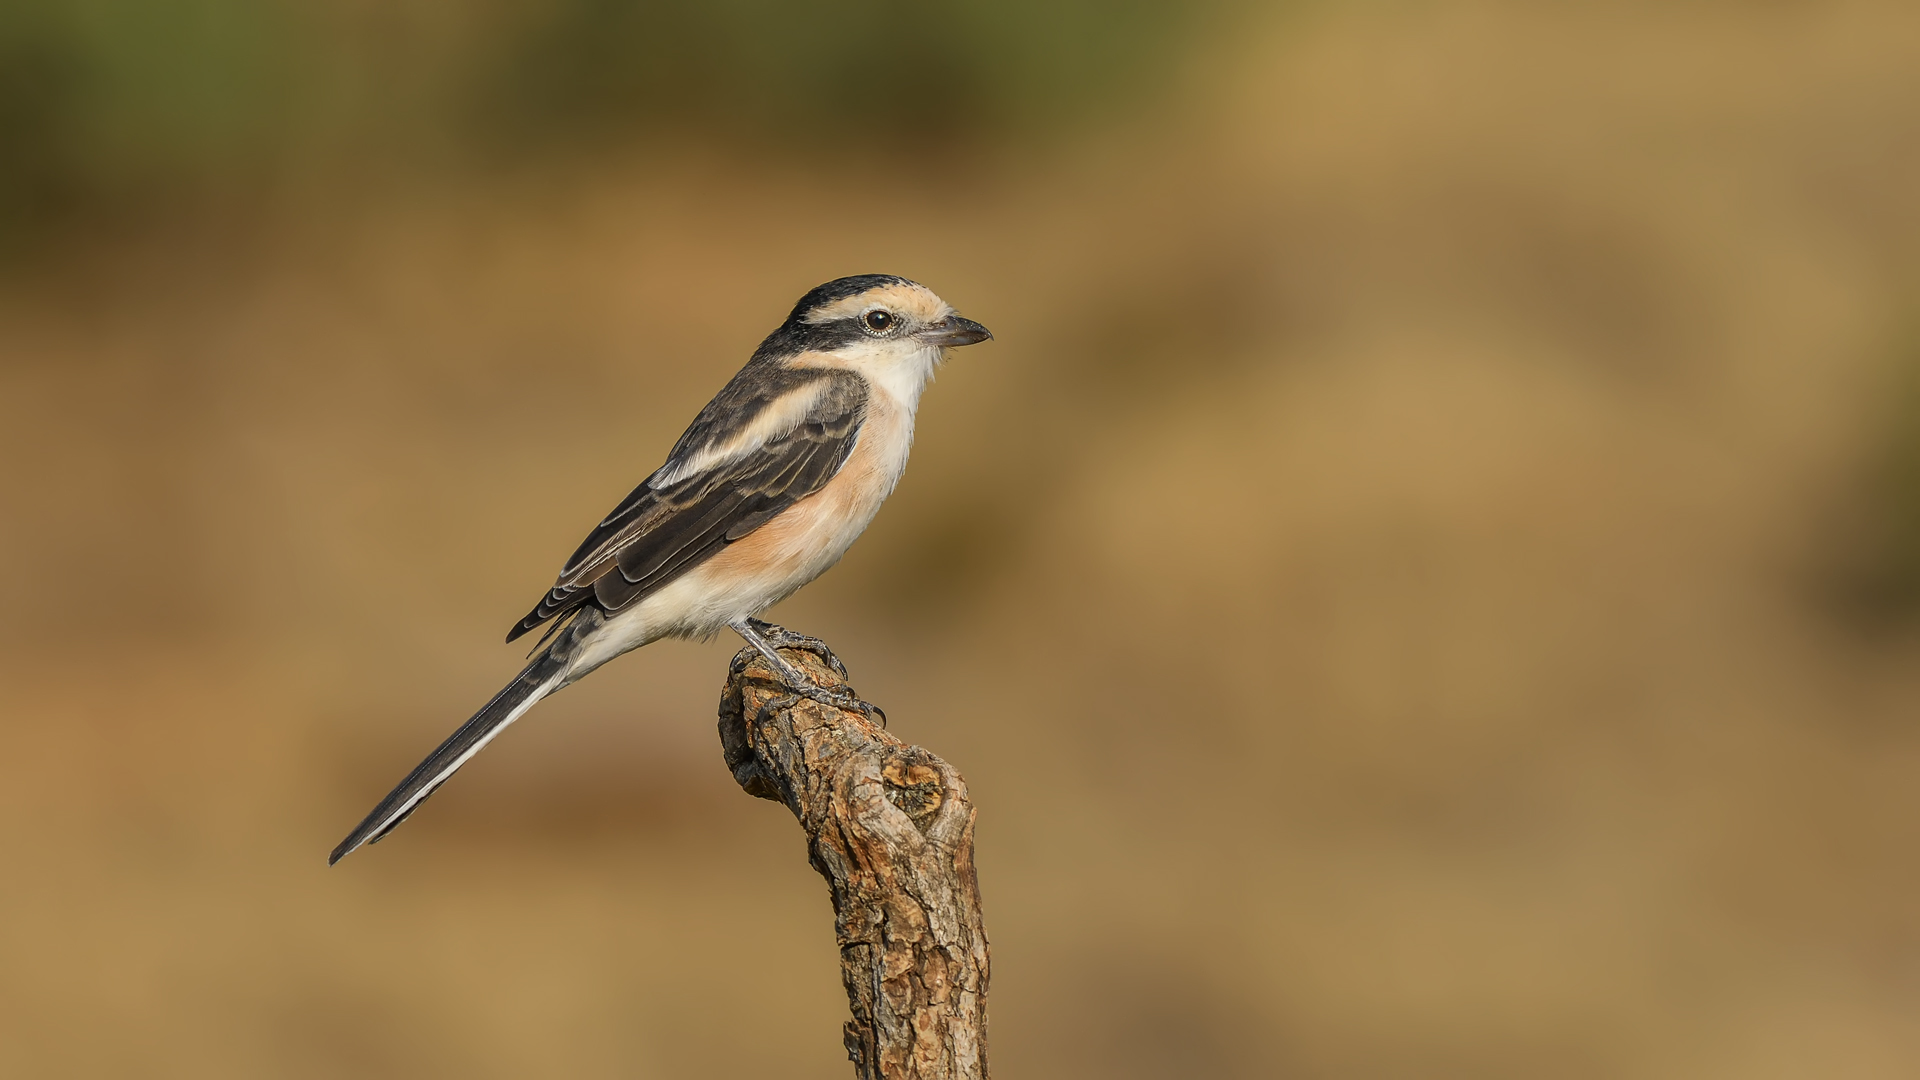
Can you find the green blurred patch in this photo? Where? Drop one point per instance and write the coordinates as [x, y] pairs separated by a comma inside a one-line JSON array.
[[1900, 489], [850, 75], [1880, 569], [112, 100], [100, 98]]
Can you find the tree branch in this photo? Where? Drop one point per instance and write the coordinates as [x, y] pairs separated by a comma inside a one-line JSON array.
[[891, 829]]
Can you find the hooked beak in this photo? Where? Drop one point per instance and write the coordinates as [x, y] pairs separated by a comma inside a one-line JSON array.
[[954, 331]]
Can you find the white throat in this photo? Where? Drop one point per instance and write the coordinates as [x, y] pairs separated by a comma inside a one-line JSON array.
[[901, 375]]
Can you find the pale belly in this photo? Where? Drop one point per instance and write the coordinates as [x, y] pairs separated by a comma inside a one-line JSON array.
[[775, 560]]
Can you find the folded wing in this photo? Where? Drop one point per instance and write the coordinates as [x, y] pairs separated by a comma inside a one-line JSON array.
[[774, 436]]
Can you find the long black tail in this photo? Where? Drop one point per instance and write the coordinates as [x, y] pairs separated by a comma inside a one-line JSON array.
[[542, 677]]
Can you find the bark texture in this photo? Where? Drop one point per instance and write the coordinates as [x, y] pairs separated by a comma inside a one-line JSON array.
[[891, 829]]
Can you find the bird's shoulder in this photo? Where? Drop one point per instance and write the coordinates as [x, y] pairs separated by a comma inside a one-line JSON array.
[[767, 401], [770, 418]]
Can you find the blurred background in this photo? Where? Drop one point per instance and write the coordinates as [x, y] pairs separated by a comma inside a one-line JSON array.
[[1426, 582]]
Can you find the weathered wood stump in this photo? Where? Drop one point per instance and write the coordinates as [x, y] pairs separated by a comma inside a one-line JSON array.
[[890, 828]]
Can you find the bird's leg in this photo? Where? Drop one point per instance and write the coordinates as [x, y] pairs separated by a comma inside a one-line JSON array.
[[782, 638], [788, 673], [766, 638]]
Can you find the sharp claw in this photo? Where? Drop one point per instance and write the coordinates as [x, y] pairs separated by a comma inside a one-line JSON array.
[[773, 705], [782, 638], [779, 637], [842, 698]]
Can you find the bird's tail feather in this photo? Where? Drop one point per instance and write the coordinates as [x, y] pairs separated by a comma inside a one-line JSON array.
[[542, 677]]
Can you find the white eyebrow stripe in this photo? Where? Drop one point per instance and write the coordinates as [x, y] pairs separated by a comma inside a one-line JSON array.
[[779, 417]]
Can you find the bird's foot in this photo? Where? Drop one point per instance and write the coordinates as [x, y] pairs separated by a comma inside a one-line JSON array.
[[782, 638], [767, 638], [843, 698]]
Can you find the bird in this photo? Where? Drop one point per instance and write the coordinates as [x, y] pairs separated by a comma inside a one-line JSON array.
[[764, 492]]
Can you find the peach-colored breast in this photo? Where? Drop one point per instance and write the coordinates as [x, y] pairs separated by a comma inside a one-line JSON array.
[[769, 564], [812, 534]]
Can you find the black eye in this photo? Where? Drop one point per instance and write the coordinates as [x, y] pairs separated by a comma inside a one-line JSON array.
[[877, 321]]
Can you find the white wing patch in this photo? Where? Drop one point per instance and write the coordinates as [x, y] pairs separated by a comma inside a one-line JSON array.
[[780, 416]]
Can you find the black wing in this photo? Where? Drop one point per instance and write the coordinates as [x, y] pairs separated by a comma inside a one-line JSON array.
[[774, 436]]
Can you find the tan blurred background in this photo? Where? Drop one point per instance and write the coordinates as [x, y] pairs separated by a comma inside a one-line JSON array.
[[1426, 582]]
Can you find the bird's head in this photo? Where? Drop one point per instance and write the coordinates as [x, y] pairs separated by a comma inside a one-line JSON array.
[[888, 328]]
